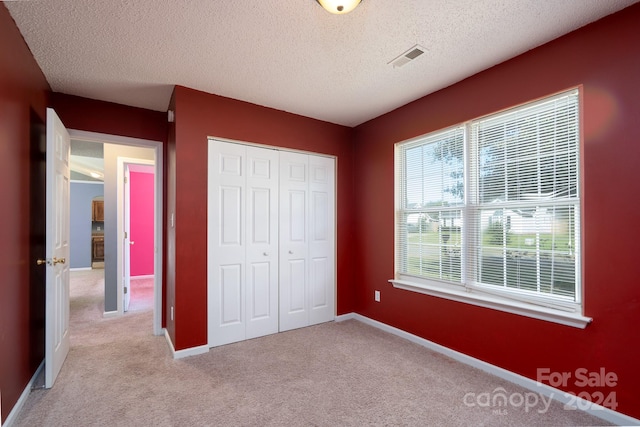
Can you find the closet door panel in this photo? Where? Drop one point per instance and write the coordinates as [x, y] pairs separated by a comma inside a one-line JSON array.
[[294, 251], [226, 275], [259, 302], [230, 296], [321, 239], [271, 241], [262, 242]]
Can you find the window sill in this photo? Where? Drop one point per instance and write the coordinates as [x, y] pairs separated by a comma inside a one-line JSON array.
[[496, 303]]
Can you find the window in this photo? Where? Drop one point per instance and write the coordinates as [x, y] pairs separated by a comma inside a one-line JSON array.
[[488, 212]]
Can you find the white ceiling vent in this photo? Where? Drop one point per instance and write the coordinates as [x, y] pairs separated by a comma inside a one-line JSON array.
[[407, 56]]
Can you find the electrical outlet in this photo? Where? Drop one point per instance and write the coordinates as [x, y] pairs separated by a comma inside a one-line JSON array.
[[376, 296], [172, 313]]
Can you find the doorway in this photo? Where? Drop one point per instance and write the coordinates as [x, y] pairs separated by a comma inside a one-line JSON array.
[[135, 195], [124, 147]]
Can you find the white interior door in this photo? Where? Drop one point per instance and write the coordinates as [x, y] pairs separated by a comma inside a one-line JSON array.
[[57, 250], [261, 242], [242, 242], [271, 241], [307, 240], [294, 240], [322, 238], [226, 248], [126, 241]]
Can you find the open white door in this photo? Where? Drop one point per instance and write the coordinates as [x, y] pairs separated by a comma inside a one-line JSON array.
[[126, 243], [57, 250]]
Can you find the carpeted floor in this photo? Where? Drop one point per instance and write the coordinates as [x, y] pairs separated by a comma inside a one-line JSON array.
[[335, 374], [141, 294]]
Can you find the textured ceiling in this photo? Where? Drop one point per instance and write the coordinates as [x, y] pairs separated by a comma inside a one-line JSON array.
[[286, 54]]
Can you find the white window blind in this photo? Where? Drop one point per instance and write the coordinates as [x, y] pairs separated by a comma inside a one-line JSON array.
[[493, 205], [429, 229]]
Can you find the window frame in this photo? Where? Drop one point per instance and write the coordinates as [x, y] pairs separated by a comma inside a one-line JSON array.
[[557, 309]]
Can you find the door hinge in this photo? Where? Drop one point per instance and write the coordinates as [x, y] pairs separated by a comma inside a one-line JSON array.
[[126, 290], [125, 180], [125, 235]]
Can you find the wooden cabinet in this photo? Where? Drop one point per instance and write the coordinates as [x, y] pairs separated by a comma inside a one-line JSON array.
[[97, 251], [98, 210]]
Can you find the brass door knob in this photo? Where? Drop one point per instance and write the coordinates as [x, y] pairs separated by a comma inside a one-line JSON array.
[[58, 260], [42, 261]]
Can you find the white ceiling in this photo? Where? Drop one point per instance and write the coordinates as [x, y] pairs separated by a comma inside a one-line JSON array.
[[286, 54]]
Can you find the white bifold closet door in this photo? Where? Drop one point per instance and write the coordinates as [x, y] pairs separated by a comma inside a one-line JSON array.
[[271, 241], [307, 240], [242, 242]]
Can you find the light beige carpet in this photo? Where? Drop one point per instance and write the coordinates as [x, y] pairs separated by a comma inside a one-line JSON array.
[[336, 374]]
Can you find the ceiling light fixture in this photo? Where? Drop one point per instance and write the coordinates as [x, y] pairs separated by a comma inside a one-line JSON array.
[[339, 7]]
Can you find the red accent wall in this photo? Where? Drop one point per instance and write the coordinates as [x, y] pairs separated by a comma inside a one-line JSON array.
[[23, 90], [141, 210], [90, 115], [603, 58], [199, 115]]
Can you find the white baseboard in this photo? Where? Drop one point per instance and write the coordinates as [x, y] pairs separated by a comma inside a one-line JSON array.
[[344, 317], [107, 314], [543, 389], [192, 351], [13, 415], [81, 269]]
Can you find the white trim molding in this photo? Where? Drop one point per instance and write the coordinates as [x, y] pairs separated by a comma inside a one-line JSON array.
[[81, 269], [15, 411], [191, 351], [108, 314], [78, 181], [497, 303], [543, 389], [343, 317]]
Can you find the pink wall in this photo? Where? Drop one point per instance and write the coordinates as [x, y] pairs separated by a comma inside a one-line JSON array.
[[141, 226]]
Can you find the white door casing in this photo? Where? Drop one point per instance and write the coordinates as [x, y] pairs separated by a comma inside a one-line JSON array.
[[57, 248], [242, 242], [126, 241]]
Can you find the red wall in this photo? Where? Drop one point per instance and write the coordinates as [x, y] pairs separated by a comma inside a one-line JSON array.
[[199, 115], [23, 90], [80, 113], [605, 59], [141, 216]]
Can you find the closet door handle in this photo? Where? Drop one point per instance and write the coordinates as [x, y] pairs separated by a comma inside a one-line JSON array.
[[291, 252], [265, 254]]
